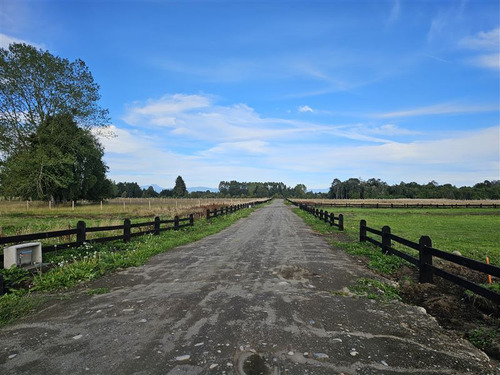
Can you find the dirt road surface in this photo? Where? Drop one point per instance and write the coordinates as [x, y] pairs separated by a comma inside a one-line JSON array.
[[253, 299]]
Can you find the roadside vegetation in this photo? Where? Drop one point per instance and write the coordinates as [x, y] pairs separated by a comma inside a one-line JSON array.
[[472, 232], [18, 217], [26, 291]]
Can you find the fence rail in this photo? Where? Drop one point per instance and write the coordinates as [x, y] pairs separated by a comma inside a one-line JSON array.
[[424, 262], [405, 205], [327, 217], [230, 209], [151, 227]]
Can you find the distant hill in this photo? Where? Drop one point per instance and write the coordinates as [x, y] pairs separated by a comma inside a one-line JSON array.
[[202, 188], [156, 188]]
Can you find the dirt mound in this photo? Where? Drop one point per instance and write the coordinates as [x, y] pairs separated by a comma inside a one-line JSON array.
[[475, 318]]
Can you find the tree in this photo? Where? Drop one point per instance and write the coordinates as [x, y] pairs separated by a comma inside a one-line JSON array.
[[150, 193], [335, 191], [179, 188], [35, 86], [61, 161], [299, 191]]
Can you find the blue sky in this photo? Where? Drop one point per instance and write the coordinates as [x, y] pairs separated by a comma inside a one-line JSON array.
[[291, 91]]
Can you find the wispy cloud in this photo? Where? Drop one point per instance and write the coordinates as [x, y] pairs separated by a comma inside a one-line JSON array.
[[200, 118], [6, 40], [487, 43], [394, 16], [439, 109], [235, 142], [482, 40], [305, 108]]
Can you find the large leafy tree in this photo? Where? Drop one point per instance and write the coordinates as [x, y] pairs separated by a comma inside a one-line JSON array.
[[60, 161], [35, 86], [179, 188]]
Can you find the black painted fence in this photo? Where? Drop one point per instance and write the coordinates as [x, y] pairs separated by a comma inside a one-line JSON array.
[[405, 205], [424, 262], [327, 217], [151, 227], [230, 209]]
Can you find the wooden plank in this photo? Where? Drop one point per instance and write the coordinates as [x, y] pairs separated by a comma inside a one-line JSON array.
[[167, 221], [375, 242], [486, 293], [374, 231], [466, 262], [103, 229], [405, 242], [37, 236], [138, 225], [405, 256], [106, 239]]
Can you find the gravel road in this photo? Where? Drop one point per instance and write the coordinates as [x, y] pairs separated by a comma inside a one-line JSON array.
[[254, 298]]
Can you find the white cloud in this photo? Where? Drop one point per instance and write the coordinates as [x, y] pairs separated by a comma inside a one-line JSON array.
[[459, 159], [6, 40], [254, 147], [482, 40], [390, 130], [305, 108], [439, 109], [207, 143], [491, 61], [488, 45], [197, 117]]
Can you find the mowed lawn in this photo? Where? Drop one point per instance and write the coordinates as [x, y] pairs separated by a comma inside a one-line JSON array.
[[475, 233]]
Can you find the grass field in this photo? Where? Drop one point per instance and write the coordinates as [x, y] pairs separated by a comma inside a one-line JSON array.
[[17, 217], [475, 233]]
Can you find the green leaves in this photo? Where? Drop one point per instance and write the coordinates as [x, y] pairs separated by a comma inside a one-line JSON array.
[[34, 85], [61, 161]]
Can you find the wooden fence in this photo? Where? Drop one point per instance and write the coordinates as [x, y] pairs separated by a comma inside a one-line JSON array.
[[405, 205], [81, 230], [327, 217], [230, 209], [424, 262]]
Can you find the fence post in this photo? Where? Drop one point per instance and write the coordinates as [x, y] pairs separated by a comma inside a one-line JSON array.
[[332, 219], [81, 234], [208, 214], [362, 231], [386, 240], [176, 222], [341, 222], [126, 230], [157, 226], [325, 216], [426, 274], [191, 219]]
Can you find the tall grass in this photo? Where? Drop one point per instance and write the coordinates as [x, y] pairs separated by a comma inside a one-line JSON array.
[[18, 217]]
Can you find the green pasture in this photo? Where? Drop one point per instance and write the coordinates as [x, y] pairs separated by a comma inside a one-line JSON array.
[[475, 233]]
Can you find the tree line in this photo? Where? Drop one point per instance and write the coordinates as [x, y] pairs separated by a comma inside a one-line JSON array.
[[355, 188], [133, 190], [352, 188]]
